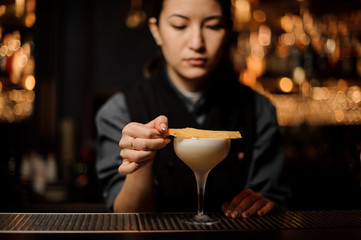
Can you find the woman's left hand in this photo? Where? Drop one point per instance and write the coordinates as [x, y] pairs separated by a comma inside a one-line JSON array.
[[248, 203]]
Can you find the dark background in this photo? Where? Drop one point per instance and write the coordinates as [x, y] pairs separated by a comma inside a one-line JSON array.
[[85, 53]]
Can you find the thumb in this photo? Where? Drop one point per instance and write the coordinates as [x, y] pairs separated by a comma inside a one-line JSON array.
[[160, 123]]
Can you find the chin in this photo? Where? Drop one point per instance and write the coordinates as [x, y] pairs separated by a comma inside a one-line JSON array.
[[196, 73]]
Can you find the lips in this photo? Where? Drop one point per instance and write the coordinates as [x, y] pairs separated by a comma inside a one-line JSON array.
[[196, 61]]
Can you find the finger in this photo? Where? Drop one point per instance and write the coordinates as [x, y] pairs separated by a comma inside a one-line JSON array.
[[256, 206], [245, 204], [138, 130], [231, 207], [128, 167], [242, 202], [136, 156], [160, 123], [239, 198], [141, 144], [250, 200], [127, 142], [226, 209], [269, 207]]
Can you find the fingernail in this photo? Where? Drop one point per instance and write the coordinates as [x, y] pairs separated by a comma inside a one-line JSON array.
[[261, 213], [163, 126], [228, 213], [246, 214], [235, 214]]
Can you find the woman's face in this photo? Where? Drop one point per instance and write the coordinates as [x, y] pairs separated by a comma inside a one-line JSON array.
[[191, 34]]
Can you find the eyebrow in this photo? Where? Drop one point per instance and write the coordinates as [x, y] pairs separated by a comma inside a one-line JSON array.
[[187, 18]]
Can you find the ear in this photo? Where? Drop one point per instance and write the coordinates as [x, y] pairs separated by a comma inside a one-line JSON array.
[[154, 29]]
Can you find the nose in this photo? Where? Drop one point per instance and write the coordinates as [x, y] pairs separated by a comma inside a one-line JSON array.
[[196, 42]]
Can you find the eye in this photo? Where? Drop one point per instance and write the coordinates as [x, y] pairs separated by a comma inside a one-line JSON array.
[[215, 23], [179, 27], [215, 27]]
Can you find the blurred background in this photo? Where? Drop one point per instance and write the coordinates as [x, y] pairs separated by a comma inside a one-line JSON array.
[[61, 59]]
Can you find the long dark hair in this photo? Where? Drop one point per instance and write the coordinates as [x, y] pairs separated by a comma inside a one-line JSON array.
[[157, 62]]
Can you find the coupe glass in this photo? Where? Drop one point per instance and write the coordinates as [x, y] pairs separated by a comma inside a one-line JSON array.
[[201, 155]]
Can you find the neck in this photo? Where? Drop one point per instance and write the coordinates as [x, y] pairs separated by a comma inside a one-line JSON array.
[[187, 84]]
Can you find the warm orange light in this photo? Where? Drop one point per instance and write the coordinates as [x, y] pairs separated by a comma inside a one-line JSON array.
[[257, 52], [305, 89], [18, 110], [264, 35], [339, 116], [19, 8], [356, 96], [30, 82], [259, 16], [342, 84], [30, 96], [256, 65], [287, 39], [286, 84], [2, 10], [30, 5], [2, 103], [242, 11], [14, 45], [247, 78], [4, 50], [30, 19], [287, 23]]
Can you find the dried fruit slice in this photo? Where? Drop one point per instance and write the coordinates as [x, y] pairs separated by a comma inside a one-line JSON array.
[[199, 133]]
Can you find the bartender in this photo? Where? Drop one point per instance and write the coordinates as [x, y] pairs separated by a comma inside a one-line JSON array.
[[192, 84]]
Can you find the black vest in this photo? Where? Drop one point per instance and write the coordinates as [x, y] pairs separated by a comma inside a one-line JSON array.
[[229, 106]]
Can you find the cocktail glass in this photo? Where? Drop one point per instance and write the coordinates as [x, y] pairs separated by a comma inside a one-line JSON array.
[[201, 155]]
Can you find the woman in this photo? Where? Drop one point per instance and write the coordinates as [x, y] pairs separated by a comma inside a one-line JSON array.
[[193, 86]]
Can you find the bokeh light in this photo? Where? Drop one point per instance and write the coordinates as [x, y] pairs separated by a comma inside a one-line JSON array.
[[286, 84], [30, 82], [259, 16]]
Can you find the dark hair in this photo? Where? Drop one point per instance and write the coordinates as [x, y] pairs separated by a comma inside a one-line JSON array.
[[225, 5], [157, 62]]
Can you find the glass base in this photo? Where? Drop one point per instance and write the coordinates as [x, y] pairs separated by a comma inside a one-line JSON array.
[[202, 219]]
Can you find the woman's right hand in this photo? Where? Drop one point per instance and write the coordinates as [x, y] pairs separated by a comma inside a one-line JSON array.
[[140, 142]]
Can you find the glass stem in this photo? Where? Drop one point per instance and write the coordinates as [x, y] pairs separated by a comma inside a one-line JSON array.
[[201, 179]]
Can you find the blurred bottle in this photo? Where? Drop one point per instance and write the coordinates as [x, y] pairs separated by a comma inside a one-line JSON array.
[[39, 173], [51, 169], [25, 169]]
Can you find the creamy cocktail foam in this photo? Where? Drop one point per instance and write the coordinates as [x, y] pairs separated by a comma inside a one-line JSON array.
[[201, 154]]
